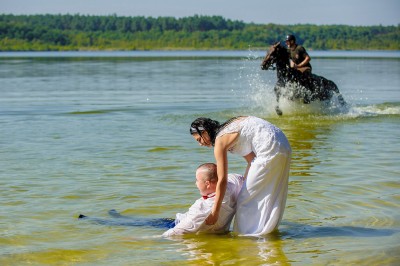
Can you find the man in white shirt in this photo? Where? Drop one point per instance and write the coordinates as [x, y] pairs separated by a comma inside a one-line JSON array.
[[193, 221]]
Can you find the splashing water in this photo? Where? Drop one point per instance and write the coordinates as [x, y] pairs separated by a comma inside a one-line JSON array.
[[261, 96], [375, 110]]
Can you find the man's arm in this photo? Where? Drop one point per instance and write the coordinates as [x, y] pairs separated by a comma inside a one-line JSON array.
[[303, 53], [306, 60], [193, 220]]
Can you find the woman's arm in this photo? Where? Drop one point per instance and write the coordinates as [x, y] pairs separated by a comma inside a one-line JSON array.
[[221, 147]]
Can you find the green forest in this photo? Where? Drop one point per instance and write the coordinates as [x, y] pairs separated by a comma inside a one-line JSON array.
[[81, 32]]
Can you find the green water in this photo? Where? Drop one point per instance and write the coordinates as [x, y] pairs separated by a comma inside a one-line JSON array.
[[94, 134]]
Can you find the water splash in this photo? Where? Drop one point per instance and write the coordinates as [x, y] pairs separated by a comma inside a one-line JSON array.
[[375, 110], [261, 97], [260, 84]]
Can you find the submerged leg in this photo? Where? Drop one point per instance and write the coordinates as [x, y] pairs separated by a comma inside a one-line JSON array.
[[160, 222], [130, 221], [277, 90]]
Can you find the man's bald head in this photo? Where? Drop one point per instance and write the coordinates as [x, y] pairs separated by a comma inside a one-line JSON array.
[[208, 172]]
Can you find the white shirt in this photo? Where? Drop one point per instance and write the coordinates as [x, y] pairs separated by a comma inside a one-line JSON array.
[[193, 221]]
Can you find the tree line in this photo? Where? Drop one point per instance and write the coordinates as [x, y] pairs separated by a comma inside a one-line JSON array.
[[80, 32]]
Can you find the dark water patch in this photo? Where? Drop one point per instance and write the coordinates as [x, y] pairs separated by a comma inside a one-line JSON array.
[[296, 230], [123, 220]]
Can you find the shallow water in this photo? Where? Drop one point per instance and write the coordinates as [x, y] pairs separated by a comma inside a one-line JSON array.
[[86, 134]]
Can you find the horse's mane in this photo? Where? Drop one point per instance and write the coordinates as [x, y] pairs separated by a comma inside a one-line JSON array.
[[281, 52]]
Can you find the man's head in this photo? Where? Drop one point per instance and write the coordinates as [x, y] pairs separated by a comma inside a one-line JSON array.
[[290, 40], [290, 37], [206, 178]]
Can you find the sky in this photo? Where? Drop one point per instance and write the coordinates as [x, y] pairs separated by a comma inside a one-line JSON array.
[[286, 12]]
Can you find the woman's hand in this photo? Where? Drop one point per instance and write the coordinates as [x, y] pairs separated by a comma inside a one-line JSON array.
[[212, 219]]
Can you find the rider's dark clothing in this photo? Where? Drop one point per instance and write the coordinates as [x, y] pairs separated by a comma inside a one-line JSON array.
[[298, 55]]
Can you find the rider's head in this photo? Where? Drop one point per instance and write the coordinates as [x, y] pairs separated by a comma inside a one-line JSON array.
[[290, 37], [290, 40]]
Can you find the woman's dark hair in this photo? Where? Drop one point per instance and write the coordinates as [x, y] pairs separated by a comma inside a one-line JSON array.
[[211, 126], [205, 124], [227, 122]]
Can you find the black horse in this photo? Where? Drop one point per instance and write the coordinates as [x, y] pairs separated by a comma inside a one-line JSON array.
[[292, 84]]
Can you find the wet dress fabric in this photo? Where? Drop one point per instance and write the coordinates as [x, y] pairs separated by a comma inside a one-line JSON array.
[[262, 200], [193, 221]]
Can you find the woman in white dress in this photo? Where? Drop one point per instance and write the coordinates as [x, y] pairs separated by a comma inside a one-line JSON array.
[[262, 200]]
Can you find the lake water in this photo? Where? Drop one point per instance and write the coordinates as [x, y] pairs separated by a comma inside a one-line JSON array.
[[89, 132]]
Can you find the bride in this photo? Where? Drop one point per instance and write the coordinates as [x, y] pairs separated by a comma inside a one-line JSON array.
[[261, 202]]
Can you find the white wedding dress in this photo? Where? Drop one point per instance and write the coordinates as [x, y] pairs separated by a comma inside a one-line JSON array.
[[262, 200]]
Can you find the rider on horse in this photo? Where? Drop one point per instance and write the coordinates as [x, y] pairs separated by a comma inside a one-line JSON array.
[[300, 59], [307, 87]]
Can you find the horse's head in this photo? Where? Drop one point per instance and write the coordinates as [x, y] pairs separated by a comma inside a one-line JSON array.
[[274, 54]]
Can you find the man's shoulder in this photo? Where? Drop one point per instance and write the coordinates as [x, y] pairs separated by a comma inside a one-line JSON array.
[[234, 175], [235, 183], [301, 49], [235, 178]]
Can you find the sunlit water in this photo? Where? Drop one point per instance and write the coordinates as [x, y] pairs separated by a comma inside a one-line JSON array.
[[89, 133]]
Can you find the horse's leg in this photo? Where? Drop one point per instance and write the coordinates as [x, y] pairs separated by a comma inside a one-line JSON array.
[[334, 88], [341, 100], [304, 86], [339, 95], [277, 90], [309, 83], [321, 88], [325, 89]]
